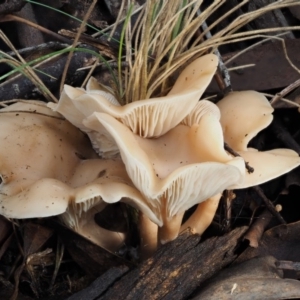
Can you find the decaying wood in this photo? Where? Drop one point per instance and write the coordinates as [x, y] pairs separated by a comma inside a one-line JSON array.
[[101, 284], [176, 269], [257, 278], [271, 19]]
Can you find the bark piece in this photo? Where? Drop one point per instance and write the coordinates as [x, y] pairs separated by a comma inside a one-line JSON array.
[[177, 268], [100, 284]]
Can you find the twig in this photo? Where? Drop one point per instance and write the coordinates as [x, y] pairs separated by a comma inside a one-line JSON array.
[[234, 153], [222, 75], [269, 204], [80, 30], [288, 265], [285, 91], [228, 196], [255, 232]]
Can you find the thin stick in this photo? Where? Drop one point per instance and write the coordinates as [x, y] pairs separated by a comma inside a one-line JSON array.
[[285, 91], [80, 30], [288, 265], [234, 153], [255, 232], [222, 75], [269, 204]]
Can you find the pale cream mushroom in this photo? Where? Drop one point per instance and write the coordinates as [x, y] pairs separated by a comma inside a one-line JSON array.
[[101, 140], [177, 170], [47, 165], [97, 183], [37, 143], [44, 198], [243, 115], [148, 118]]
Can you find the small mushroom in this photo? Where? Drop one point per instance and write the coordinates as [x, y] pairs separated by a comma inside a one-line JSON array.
[[243, 115], [147, 118]]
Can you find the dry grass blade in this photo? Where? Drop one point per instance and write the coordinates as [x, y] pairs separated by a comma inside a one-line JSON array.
[[167, 37], [27, 71], [80, 30]]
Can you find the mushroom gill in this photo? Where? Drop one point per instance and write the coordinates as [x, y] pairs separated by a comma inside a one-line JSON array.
[[149, 117]]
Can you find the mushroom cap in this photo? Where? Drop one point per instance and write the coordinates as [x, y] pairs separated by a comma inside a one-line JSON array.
[[243, 115], [171, 167], [100, 139], [35, 144], [66, 107], [98, 183], [46, 197], [156, 116], [101, 182], [90, 170], [93, 87], [149, 117], [267, 165]]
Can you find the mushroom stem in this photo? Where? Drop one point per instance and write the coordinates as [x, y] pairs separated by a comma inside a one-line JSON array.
[[170, 229], [148, 235], [203, 215]]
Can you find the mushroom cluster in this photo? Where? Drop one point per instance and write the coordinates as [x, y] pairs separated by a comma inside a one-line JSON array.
[[161, 155], [173, 147]]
